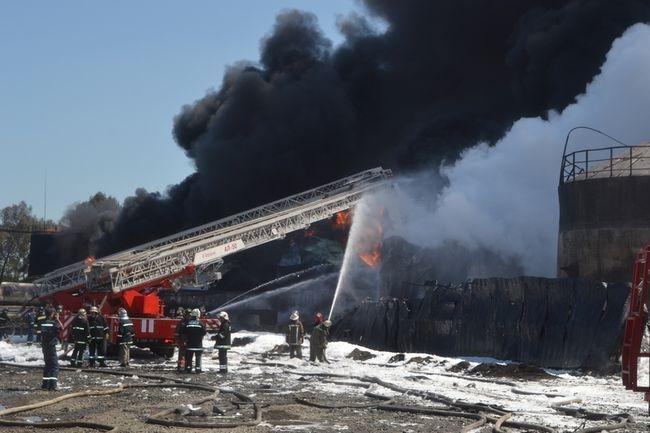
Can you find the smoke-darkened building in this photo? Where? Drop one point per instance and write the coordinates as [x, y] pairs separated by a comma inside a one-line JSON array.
[[604, 211]]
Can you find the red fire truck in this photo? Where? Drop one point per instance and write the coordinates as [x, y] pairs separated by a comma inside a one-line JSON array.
[[635, 357], [133, 278]]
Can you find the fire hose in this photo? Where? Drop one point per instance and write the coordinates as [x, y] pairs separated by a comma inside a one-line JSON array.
[[155, 419], [465, 408], [59, 424], [623, 418]]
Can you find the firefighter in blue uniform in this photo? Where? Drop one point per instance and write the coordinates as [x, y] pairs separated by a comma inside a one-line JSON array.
[[222, 341], [79, 334], [40, 317], [193, 332], [125, 334], [50, 328], [98, 332]]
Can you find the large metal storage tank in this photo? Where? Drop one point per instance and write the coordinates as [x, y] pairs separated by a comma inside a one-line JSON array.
[[604, 211]]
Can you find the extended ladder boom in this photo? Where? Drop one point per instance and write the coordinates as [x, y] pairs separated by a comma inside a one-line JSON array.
[[204, 247]]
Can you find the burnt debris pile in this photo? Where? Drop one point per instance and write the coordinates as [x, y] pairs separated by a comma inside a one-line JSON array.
[[551, 322], [559, 323]]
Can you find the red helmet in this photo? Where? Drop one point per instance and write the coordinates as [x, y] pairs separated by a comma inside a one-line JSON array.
[[318, 318]]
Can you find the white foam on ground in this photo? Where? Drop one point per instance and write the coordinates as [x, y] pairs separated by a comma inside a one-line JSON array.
[[602, 394]]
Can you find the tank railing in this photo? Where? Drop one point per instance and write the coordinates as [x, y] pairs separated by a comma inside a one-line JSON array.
[[618, 161]]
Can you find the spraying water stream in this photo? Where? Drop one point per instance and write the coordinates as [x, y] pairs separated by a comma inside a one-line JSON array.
[[358, 218]]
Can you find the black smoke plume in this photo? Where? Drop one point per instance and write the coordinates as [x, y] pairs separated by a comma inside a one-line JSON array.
[[441, 77]]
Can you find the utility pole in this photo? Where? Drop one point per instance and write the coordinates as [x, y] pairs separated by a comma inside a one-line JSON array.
[[45, 199]]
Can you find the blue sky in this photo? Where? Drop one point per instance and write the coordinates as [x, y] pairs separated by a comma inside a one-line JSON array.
[[88, 90]]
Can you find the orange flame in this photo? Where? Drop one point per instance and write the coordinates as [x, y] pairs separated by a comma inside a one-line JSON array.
[[370, 249], [342, 220], [371, 258]]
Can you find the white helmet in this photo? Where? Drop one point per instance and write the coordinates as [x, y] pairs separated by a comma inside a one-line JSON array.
[[294, 316], [223, 315], [81, 312], [327, 323], [195, 313], [94, 309], [122, 312]]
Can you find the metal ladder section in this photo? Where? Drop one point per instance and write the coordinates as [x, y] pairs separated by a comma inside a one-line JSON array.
[[635, 324], [205, 246]]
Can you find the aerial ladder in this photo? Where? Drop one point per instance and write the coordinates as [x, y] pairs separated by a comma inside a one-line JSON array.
[[131, 279], [635, 353]]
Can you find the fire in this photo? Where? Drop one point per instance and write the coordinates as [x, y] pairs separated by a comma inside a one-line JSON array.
[[371, 258], [370, 248], [342, 220]]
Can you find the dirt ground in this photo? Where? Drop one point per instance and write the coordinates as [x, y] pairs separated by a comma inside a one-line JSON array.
[[274, 389], [129, 409]]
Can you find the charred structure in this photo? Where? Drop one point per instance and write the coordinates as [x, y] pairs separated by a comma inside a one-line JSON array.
[[562, 323]]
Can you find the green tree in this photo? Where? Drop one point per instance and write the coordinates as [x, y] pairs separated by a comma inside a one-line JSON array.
[[16, 221]]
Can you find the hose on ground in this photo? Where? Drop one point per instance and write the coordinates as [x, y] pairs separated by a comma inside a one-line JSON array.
[[578, 412], [464, 406], [62, 424], [155, 419], [499, 423], [481, 420], [317, 405], [607, 427]]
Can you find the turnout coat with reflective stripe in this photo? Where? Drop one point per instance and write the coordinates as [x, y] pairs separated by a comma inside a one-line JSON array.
[[98, 327], [79, 330], [125, 332], [295, 333], [193, 332], [50, 330], [222, 339]]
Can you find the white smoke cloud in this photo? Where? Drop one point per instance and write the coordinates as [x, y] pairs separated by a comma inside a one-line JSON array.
[[504, 197]]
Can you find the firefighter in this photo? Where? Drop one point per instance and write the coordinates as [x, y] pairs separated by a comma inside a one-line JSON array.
[[30, 320], [295, 336], [98, 333], [125, 337], [40, 317], [194, 331], [318, 319], [222, 341], [50, 328], [64, 343], [79, 335], [184, 316], [318, 342]]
